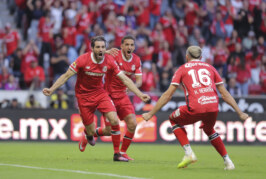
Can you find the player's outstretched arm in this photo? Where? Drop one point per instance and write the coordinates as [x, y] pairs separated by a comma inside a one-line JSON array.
[[131, 86], [165, 98], [59, 82], [231, 101]]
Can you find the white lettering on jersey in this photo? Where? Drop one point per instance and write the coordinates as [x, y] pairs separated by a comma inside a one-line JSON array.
[[207, 99], [94, 74]]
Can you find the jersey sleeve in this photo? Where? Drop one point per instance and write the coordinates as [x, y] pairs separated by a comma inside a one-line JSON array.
[[77, 64], [217, 78], [138, 70], [177, 78], [113, 66]]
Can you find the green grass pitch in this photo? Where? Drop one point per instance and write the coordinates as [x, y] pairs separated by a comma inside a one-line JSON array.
[[64, 160]]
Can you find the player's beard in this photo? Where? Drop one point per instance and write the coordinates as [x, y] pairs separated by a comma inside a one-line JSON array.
[[99, 56]]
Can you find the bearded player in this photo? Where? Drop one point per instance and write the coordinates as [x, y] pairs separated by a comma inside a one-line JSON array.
[[130, 64], [199, 81], [90, 69]]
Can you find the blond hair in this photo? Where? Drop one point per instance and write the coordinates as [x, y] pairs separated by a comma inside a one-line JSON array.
[[194, 52]]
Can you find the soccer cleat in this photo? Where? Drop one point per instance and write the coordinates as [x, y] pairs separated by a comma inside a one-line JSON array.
[[92, 141], [83, 143], [119, 158], [187, 159], [127, 157], [229, 165]]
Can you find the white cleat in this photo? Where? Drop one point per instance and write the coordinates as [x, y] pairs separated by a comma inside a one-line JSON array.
[[229, 165]]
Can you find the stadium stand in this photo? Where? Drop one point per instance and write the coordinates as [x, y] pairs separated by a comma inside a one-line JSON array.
[[231, 33]]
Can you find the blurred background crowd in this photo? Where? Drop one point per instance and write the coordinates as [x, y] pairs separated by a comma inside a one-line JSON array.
[[48, 35]]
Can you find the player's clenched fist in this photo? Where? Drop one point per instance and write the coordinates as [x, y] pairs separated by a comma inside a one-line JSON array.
[[244, 116], [47, 92], [146, 116], [145, 98]]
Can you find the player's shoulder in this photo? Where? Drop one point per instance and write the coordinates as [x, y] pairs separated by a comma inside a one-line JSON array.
[[136, 57]]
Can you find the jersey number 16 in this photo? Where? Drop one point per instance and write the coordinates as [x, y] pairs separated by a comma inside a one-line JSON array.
[[201, 76]]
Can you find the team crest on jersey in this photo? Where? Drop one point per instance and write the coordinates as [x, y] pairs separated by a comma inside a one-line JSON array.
[[133, 67], [88, 67], [105, 69], [120, 64]]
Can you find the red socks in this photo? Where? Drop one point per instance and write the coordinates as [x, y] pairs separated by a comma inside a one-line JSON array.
[[115, 133], [218, 144], [127, 141], [99, 132], [180, 134]]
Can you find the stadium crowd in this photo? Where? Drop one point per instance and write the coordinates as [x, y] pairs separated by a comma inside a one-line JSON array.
[[231, 34]]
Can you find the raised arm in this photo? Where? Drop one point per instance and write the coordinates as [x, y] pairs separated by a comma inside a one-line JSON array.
[[231, 101], [165, 98], [59, 82], [131, 86]]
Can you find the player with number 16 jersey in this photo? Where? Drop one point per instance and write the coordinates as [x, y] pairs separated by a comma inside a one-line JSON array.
[[199, 81]]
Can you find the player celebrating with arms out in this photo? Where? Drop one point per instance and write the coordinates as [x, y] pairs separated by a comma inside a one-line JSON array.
[[130, 64], [199, 81], [90, 68]]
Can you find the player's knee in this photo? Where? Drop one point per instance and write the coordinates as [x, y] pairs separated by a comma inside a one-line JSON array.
[[131, 126], [112, 117]]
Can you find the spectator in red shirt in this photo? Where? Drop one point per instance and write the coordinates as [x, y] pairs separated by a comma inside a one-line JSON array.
[[169, 26], [30, 53], [155, 11], [165, 59], [148, 78], [11, 40], [142, 13], [231, 41], [45, 31], [69, 33], [243, 75], [34, 76]]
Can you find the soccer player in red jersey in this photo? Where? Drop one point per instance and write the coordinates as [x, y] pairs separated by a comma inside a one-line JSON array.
[[91, 95], [199, 80], [130, 64]]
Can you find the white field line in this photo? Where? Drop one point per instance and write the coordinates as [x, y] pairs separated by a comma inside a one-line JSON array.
[[71, 171]]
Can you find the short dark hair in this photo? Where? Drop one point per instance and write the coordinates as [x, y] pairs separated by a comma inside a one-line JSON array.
[[97, 38], [127, 37]]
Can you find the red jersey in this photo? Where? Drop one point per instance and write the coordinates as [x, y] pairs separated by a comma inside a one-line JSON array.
[[90, 73], [132, 66], [11, 40], [70, 36], [30, 73], [198, 80], [45, 29]]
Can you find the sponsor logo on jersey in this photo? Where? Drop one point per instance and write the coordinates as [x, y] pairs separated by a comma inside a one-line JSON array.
[[94, 74], [207, 99], [188, 65], [88, 67]]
